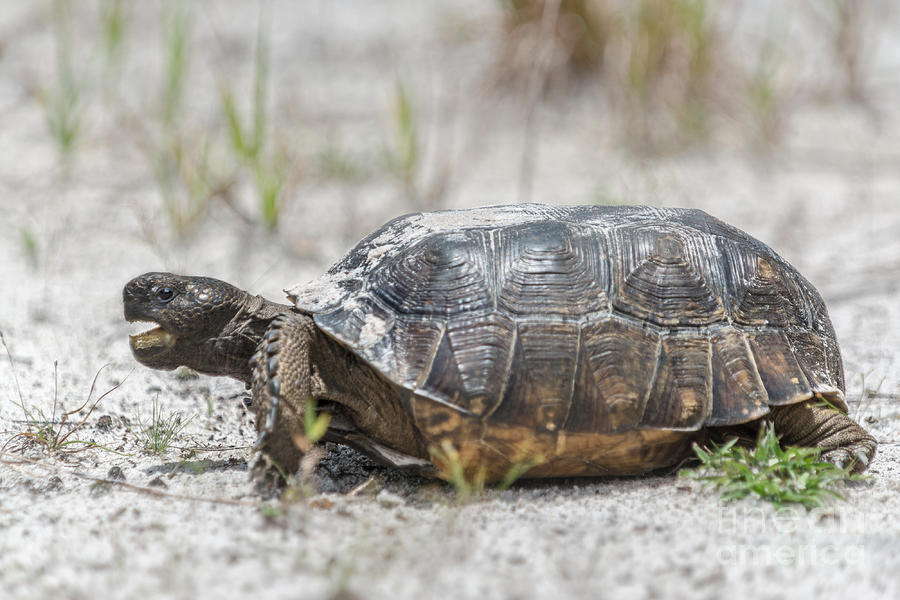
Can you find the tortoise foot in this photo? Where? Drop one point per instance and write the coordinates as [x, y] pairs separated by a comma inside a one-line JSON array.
[[856, 456]]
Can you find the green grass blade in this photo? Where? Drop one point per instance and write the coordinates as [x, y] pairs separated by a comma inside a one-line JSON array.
[[781, 476]]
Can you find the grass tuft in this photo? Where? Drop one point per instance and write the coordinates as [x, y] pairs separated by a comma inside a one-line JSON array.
[[183, 160], [404, 159], [672, 71], [517, 470], [424, 183], [580, 38], [315, 424], [671, 67], [157, 435], [112, 27], [249, 141], [763, 94], [469, 482], [271, 512], [176, 33], [54, 431], [30, 245], [187, 178], [62, 102], [781, 476]]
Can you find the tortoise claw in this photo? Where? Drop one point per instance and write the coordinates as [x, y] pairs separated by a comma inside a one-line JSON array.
[[268, 365], [271, 415], [856, 459], [259, 440]]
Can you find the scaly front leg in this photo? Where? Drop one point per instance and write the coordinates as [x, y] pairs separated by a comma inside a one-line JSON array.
[[281, 385]]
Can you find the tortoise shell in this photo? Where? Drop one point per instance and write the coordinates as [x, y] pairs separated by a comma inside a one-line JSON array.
[[569, 322]]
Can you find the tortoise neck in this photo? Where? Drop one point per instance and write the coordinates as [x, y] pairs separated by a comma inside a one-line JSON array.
[[231, 350]]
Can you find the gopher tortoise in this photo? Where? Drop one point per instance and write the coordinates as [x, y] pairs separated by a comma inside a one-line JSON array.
[[579, 341]]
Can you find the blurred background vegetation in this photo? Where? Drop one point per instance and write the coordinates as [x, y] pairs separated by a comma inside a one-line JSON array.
[[675, 72], [239, 109]]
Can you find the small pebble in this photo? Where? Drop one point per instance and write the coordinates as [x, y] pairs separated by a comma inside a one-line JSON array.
[[388, 499]]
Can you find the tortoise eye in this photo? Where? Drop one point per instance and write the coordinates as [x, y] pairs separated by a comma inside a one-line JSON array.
[[164, 294]]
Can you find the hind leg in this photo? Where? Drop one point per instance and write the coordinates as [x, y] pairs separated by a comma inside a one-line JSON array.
[[281, 384], [813, 424]]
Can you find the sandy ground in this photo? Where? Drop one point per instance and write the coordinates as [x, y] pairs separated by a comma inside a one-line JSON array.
[[126, 523]]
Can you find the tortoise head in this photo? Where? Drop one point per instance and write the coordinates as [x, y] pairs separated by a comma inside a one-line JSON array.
[[199, 322]]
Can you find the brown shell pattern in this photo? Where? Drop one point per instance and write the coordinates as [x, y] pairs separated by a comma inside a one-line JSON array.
[[581, 319]]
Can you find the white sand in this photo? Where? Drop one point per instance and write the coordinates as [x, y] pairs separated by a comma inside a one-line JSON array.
[[188, 523]]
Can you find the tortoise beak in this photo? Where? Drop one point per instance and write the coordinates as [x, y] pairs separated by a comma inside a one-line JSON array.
[[150, 342], [145, 343]]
